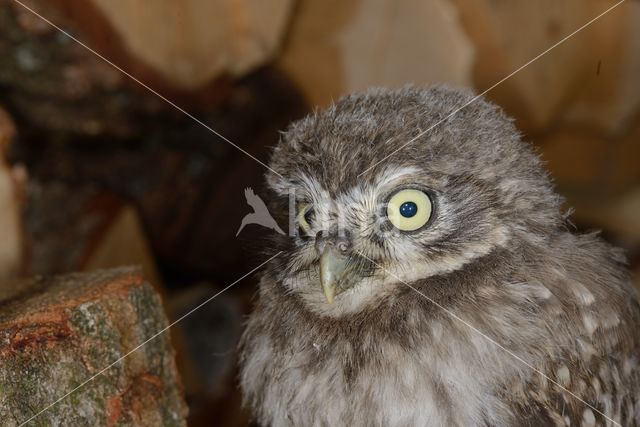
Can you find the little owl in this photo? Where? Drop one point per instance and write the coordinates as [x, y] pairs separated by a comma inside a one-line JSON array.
[[432, 279]]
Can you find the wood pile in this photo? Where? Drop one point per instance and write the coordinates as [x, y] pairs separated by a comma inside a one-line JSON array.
[[192, 42], [119, 176], [336, 47]]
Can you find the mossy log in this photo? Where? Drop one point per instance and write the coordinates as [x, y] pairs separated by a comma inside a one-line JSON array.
[[56, 333]]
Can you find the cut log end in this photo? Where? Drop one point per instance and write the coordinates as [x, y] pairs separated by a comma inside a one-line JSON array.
[[58, 333]]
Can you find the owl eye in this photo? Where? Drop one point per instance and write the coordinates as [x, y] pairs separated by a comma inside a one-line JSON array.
[[305, 217], [409, 209]]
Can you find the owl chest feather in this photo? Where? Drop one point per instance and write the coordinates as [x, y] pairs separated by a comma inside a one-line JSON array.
[[434, 372], [320, 382]]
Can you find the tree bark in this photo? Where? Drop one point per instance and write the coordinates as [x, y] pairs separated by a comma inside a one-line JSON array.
[[56, 333]]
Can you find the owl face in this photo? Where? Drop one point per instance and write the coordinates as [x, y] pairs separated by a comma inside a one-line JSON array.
[[369, 218]]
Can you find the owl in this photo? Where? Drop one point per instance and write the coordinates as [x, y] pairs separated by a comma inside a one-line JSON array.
[[432, 279]]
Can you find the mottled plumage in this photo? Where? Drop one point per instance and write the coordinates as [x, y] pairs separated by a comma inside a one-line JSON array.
[[397, 345]]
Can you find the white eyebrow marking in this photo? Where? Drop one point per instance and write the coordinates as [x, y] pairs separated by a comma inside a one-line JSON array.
[[394, 173]]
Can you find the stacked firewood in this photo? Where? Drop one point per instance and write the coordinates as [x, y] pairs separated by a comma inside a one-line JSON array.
[[94, 110], [119, 176]]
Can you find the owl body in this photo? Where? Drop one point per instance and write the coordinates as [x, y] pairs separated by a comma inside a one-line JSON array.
[[489, 311]]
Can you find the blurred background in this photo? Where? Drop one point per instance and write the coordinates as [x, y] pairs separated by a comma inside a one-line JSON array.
[[96, 171]]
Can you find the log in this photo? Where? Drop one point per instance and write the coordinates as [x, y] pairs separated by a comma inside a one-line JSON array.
[[582, 161], [609, 99], [186, 43], [336, 47], [509, 34], [83, 228], [599, 178], [588, 79], [56, 86], [11, 181], [619, 216], [186, 159], [574, 159], [191, 42], [58, 332]]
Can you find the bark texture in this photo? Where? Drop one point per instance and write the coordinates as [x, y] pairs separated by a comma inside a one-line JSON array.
[[56, 333]]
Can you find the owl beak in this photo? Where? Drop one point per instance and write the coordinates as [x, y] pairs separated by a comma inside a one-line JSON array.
[[332, 268]]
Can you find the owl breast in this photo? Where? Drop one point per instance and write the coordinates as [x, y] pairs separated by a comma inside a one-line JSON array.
[[307, 382]]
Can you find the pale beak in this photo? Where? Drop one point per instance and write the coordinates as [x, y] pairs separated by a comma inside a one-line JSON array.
[[332, 268]]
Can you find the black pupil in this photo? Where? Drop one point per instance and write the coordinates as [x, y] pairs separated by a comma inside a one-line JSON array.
[[408, 209]]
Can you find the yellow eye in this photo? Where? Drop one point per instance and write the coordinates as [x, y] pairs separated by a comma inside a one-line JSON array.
[[409, 209], [305, 217]]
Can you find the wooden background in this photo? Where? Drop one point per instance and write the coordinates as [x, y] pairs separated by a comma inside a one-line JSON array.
[[96, 171]]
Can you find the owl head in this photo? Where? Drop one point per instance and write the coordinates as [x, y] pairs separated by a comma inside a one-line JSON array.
[[376, 203]]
